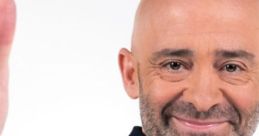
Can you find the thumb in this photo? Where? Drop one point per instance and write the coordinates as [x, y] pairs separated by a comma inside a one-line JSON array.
[[7, 25], [7, 21]]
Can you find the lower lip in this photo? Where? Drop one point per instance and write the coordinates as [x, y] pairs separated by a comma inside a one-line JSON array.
[[199, 127]]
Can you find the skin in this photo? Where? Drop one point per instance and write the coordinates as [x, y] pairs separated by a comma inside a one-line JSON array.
[[194, 65], [7, 26]]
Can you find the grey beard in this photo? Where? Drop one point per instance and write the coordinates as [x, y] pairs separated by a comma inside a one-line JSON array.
[[155, 123]]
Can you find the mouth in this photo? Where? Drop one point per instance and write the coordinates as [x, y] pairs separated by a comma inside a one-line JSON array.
[[202, 126]]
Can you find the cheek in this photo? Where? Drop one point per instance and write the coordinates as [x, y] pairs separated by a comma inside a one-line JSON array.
[[244, 97], [160, 92]]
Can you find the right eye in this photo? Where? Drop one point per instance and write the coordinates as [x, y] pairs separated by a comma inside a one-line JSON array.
[[175, 70], [174, 65]]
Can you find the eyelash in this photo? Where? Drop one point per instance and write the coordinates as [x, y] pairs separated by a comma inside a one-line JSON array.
[[187, 66], [166, 63], [240, 68]]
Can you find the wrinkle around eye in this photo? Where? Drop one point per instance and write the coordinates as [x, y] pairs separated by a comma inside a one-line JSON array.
[[165, 73], [236, 78], [151, 70], [150, 74]]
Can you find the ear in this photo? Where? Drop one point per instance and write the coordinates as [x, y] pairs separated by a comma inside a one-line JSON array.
[[129, 73]]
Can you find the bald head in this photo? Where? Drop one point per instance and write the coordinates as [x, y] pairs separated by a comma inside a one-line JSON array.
[[194, 66], [156, 20], [7, 26]]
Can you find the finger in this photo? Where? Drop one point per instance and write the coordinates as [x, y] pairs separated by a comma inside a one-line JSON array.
[[7, 22]]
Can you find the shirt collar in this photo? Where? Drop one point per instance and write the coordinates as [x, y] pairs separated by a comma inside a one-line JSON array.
[[137, 131]]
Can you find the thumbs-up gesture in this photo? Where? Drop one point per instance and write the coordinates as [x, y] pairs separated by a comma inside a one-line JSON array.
[[7, 26]]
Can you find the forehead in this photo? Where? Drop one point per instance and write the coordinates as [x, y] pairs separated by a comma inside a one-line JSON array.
[[225, 23], [214, 12]]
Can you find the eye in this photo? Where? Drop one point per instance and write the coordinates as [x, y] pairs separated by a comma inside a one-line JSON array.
[[175, 70], [231, 68], [175, 65], [235, 72]]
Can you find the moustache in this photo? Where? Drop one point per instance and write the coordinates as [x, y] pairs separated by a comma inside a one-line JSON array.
[[187, 110]]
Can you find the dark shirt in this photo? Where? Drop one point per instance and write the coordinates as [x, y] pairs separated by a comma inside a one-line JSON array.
[[137, 131]]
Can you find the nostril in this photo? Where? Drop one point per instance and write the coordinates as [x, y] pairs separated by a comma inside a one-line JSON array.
[[203, 101]]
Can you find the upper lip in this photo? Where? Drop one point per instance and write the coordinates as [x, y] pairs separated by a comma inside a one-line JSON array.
[[202, 122]]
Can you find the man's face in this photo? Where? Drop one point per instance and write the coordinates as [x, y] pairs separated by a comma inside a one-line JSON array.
[[7, 21], [195, 67]]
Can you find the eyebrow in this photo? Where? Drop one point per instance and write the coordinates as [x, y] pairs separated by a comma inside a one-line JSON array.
[[234, 54], [171, 53]]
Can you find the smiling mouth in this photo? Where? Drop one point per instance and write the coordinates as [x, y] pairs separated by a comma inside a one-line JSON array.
[[213, 126]]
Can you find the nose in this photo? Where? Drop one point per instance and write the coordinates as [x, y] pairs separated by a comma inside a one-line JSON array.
[[204, 92]]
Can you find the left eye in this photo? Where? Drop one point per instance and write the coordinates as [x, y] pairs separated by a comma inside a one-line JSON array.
[[231, 68]]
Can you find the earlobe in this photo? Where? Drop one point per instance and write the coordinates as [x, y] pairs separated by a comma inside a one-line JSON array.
[[128, 72]]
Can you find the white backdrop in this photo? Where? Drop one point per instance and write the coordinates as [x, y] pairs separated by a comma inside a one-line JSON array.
[[64, 78]]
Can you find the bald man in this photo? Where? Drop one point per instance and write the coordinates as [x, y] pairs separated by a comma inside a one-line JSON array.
[[194, 65], [7, 24]]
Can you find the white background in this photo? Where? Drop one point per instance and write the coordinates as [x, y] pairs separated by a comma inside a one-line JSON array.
[[64, 78]]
